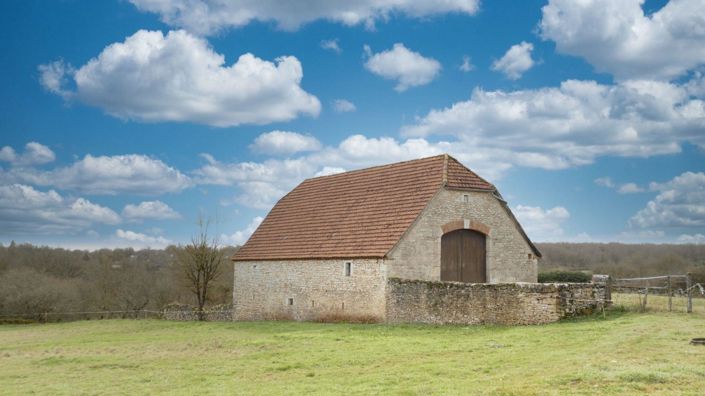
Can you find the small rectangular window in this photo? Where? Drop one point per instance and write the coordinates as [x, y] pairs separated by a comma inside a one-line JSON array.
[[466, 198], [530, 256], [348, 268], [289, 301]]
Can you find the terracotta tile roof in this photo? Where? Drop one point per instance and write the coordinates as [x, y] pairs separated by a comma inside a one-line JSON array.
[[355, 214], [460, 177]]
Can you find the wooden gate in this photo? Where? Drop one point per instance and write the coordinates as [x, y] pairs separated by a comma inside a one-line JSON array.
[[463, 257]]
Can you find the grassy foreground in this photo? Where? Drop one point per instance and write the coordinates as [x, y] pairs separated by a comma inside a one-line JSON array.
[[625, 353]]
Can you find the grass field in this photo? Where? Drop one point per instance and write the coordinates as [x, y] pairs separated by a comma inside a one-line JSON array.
[[624, 353]]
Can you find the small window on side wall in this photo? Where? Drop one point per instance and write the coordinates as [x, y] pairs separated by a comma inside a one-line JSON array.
[[289, 301], [348, 268], [466, 198]]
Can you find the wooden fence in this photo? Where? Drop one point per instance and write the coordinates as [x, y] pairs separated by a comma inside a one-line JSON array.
[[663, 289], [167, 314]]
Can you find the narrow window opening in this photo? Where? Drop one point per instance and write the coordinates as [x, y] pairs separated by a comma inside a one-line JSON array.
[[313, 303], [254, 266], [290, 301], [530, 256], [342, 306], [348, 268], [466, 198]]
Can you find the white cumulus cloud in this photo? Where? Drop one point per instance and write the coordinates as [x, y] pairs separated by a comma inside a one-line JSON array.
[[131, 173], [155, 210], [23, 209], [34, 154], [331, 45], [408, 68], [151, 77], [466, 66], [516, 61], [260, 184], [140, 240], [626, 188], [698, 239], [55, 76], [570, 125], [605, 182], [630, 188], [343, 106], [679, 203], [618, 37], [542, 224], [241, 236], [284, 142], [211, 16]]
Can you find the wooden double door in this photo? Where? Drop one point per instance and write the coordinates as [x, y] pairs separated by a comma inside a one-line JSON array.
[[463, 257]]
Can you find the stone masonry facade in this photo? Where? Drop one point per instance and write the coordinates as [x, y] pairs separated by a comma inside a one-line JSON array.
[[310, 290], [509, 256], [414, 301]]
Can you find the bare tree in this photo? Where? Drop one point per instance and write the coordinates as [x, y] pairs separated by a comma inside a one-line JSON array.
[[201, 261]]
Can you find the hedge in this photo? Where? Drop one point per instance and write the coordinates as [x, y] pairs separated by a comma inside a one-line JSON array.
[[564, 277]]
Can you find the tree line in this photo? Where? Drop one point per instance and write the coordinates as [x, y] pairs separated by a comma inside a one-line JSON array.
[[624, 260], [35, 279]]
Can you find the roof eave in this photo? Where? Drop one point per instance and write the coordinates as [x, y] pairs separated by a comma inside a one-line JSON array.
[[234, 259]]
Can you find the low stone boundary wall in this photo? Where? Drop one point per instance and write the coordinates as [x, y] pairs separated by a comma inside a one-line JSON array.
[[414, 301], [218, 313]]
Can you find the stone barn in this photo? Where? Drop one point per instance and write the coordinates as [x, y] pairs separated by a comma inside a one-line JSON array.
[[424, 240]]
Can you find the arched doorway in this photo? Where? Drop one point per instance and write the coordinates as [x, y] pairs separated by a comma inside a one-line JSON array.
[[463, 256]]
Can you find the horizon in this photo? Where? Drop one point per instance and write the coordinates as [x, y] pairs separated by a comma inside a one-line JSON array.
[[123, 122], [137, 249]]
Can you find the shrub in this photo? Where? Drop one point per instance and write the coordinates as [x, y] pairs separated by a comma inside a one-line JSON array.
[[564, 277]]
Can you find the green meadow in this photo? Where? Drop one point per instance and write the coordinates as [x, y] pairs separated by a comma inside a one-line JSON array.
[[618, 353]]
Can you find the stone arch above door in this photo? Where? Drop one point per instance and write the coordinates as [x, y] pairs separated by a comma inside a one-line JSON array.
[[466, 225]]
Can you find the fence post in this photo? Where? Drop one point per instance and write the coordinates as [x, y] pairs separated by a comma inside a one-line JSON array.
[[690, 292], [670, 303], [608, 290], [646, 295]]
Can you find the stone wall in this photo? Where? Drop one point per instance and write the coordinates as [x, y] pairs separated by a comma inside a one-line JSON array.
[[314, 290], [605, 291], [219, 313], [418, 253], [415, 301]]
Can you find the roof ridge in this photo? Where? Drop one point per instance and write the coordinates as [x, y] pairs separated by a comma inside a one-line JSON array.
[[445, 169], [377, 167]]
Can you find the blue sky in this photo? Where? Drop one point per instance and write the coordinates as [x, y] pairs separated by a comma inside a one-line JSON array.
[[123, 121]]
